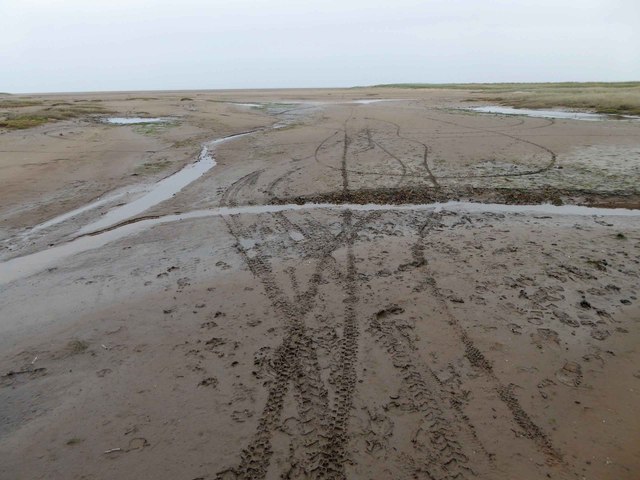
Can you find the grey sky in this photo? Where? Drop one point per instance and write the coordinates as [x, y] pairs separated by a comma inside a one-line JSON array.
[[85, 45]]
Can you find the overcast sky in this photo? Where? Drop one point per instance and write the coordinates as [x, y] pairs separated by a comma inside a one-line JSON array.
[[90, 45]]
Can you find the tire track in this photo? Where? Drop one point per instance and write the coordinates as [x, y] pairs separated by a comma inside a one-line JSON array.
[[296, 363], [335, 453], [403, 167], [275, 183], [344, 170], [477, 359], [544, 168], [446, 456], [343, 165], [229, 197], [425, 162]]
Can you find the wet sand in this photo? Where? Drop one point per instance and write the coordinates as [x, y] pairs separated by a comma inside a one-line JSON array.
[[227, 331]]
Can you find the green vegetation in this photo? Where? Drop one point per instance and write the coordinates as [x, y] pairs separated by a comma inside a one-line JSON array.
[[153, 128], [511, 87], [77, 346], [59, 111], [152, 167], [23, 121], [17, 103], [618, 98]]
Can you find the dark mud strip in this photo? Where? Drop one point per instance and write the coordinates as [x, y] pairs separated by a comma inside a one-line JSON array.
[[345, 175], [506, 196]]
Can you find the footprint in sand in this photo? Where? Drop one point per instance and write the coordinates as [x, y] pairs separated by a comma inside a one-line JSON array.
[[570, 374]]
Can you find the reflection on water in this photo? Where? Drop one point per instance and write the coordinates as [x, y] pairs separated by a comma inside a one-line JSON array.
[[134, 120], [549, 113], [27, 265]]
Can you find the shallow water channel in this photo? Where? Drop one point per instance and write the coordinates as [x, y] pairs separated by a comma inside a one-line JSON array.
[[27, 265], [549, 113], [134, 120]]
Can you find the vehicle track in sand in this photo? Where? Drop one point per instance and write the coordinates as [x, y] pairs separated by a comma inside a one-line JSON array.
[[371, 144], [425, 158], [550, 164], [446, 445], [476, 358], [430, 176], [295, 361]]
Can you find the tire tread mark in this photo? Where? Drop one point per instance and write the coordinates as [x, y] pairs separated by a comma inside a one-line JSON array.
[[477, 359]]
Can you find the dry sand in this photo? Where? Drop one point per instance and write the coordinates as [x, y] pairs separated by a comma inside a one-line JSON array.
[[322, 343]]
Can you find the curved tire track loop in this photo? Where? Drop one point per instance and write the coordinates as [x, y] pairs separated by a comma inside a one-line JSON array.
[[344, 170], [431, 176], [544, 168], [425, 161], [477, 359], [295, 360], [360, 172]]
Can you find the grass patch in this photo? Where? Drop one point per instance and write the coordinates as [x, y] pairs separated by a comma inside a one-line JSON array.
[[24, 120], [77, 346], [183, 143], [150, 129], [601, 100], [153, 167], [616, 98], [21, 122], [512, 87], [17, 103], [153, 128]]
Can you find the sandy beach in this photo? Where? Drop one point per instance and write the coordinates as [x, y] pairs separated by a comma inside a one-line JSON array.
[[405, 327]]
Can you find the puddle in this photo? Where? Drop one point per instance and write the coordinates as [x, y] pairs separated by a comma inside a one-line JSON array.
[[550, 113], [247, 243], [105, 199], [73, 213], [27, 265], [163, 190], [134, 120], [367, 101], [247, 105], [296, 236]]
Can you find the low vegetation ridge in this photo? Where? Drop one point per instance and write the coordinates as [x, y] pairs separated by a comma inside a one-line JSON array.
[[614, 98]]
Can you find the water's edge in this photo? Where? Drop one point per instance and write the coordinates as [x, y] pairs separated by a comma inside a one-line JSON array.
[[27, 265], [541, 113]]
